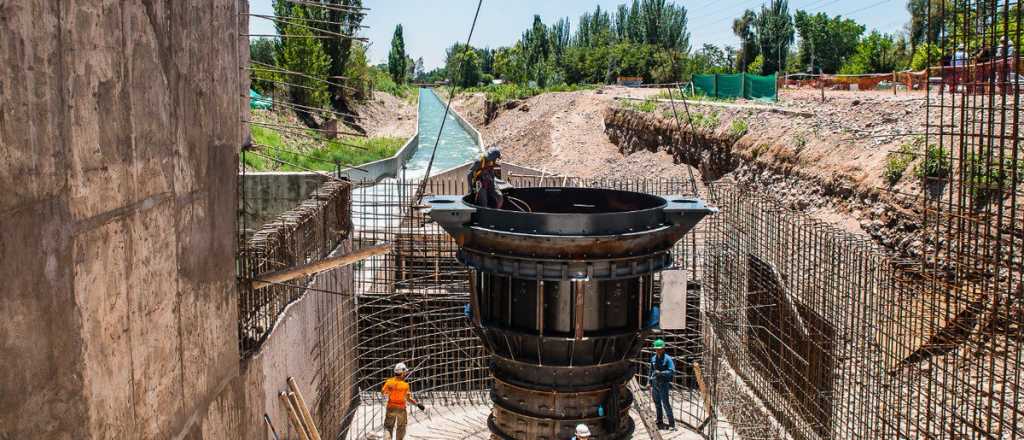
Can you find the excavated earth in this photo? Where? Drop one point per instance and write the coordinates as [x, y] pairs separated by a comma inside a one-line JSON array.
[[823, 158]]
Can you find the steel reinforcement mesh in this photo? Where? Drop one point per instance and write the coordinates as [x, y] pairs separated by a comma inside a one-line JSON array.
[[412, 306]]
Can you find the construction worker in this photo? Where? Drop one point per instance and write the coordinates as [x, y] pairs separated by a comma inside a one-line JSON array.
[[582, 432], [663, 369], [396, 389], [482, 176]]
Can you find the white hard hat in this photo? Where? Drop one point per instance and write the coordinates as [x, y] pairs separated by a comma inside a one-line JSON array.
[[582, 430], [401, 368]]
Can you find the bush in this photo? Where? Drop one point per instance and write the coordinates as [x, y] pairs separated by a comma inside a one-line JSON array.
[[897, 162], [985, 177], [738, 128], [926, 54], [704, 122], [382, 82], [935, 164]]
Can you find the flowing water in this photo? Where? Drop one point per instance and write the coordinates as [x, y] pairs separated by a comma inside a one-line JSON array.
[[456, 147], [372, 204]]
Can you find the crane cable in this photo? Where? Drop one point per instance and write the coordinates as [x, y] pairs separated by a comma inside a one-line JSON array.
[[447, 108]]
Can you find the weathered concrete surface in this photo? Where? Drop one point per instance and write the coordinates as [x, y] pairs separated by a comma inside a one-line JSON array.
[[297, 348], [119, 131], [268, 194]]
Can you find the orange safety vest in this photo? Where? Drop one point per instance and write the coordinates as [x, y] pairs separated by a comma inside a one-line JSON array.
[[396, 389]]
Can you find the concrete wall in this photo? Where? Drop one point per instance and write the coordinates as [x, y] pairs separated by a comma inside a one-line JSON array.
[[473, 132], [119, 132], [390, 167], [268, 194], [314, 332]]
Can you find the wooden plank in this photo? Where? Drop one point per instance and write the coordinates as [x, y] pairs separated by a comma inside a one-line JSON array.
[[307, 418], [315, 267], [293, 416]]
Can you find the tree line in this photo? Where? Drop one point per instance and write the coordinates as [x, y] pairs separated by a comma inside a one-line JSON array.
[[644, 38], [650, 39]]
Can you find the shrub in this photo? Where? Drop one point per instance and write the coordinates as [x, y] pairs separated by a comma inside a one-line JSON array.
[[704, 122], [985, 177], [738, 128], [897, 162], [935, 164]]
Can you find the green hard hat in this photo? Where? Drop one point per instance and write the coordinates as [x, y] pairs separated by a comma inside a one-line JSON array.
[[659, 344]]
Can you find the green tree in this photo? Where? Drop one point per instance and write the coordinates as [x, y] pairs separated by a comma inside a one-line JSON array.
[[463, 65], [301, 52], [510, 64], [925, 56], [344, 18], [774, 29], [826, 42], [876, 53], [710, 59], [419, 72], [743, 27], [358, 67], [925, 21], [398, 65], [262, 51]]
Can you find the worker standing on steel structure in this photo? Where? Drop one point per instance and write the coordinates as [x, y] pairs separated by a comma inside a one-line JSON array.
[[663, 369], [483, 179], [396, 389]]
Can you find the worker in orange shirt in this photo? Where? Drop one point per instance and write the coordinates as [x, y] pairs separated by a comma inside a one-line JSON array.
[[396, 389]]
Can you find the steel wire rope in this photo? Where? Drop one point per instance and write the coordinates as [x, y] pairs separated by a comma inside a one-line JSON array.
[[310, 157], [447, 108]]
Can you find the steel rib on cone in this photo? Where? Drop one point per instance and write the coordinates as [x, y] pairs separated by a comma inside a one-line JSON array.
[[562, 294]]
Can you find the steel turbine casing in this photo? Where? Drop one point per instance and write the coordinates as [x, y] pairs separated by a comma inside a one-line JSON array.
[[562, 298]]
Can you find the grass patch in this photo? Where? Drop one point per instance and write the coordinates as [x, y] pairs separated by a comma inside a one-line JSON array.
[[705, 121], [664, 94], [645, 106], [800, 141], [348, 151], [738, 128], [897, 162]]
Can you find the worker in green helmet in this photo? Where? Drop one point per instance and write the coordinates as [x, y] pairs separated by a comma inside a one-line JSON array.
[[663, 369]]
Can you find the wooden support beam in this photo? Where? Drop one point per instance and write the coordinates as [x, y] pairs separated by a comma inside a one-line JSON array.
[[293, 416], [307, 418], [315, 267]]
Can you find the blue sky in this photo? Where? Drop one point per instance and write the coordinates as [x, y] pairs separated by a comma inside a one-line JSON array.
[[433, 25]]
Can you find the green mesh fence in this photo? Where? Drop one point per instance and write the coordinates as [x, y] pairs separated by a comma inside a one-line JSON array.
[[760, 87], [739, 85], [730, 86], [705, 85]]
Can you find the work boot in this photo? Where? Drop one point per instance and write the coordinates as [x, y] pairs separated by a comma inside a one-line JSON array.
[[661, 426]]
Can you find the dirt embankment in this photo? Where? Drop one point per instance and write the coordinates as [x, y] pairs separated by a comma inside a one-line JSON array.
[[387, 116], [563, 134], [828, 162]]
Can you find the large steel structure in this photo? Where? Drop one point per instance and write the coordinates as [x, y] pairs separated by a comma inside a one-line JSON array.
[[562, 295]]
